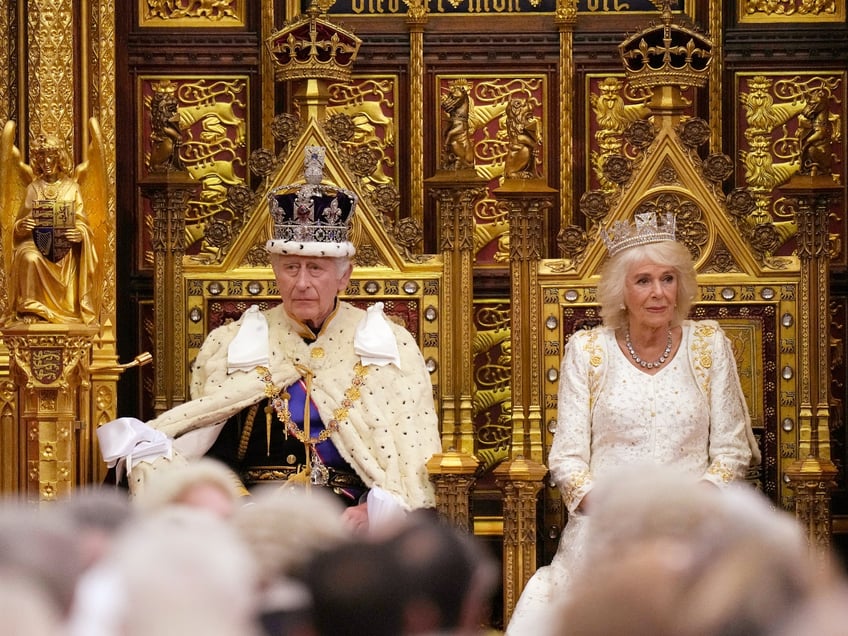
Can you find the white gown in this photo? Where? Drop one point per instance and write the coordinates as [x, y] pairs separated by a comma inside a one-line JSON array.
[[691, 415]]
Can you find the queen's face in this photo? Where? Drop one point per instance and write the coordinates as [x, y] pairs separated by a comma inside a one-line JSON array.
[[650, 294], [309, 286]]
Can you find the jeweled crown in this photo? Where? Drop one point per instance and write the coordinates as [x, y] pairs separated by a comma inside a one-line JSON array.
[[312, 47], [312, 218], [666, 54], [646, 229]]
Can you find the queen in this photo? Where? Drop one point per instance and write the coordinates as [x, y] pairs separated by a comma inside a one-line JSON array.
[[54, 258], [649, 387]]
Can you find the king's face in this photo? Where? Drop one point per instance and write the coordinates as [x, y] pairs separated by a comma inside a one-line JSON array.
[[309, 285]]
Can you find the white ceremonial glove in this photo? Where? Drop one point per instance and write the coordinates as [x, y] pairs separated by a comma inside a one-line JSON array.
[[127, 441]]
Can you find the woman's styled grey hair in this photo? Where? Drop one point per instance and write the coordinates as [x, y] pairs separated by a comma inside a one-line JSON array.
[[672, 254]]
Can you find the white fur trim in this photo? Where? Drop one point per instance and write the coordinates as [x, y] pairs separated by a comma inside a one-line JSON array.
[[310, 248]]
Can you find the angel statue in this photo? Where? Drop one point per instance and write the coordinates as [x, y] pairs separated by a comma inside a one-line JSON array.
[[52, 222]]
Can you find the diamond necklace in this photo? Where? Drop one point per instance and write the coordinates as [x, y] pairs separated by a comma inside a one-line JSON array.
[[643, 363]]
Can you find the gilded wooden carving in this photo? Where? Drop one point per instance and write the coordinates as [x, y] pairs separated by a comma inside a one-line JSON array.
[[191, 13], [488, 102], [213, 147], [778, 131]]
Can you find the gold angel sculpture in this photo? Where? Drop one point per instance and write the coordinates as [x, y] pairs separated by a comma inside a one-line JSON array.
[[53, 220]]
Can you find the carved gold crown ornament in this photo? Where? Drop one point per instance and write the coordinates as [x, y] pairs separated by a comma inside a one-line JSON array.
[[312, 47], [646, 229], [666, 54]]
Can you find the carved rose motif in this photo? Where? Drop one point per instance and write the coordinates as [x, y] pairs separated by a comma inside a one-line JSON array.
[[694, 132], [286, 127], [764, 238], [257, 256], [617, 169], [262, 162], [217, 233], [240, 198], [340, 127], [594, 205], [367, 256], [667, 174], [386, 198], [740, 203], [640, 134], [408, 233], [717, 167], [363, 162], [572, 241]]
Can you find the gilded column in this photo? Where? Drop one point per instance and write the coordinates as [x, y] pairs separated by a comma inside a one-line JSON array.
[[528, 202], [520, 477], [169, 194], [452, 474], [98, 70], [566, 20], [267, 71], [520, 480], [12, 473], [416, 19], [49, 364], [812, 475], [456, 193], [716, 72], [452, 471]]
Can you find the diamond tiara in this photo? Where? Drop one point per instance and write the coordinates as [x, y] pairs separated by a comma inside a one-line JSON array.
[[621, 235]]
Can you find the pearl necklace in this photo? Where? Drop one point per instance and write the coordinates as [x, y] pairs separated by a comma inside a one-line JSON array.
[[643, 363]]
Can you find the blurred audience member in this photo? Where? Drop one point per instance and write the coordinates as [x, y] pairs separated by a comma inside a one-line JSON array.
[[447, 577], [26, 607], [205, 483], [98, 514], [667, 554], [177, 571], [284, 528], [426, 578], [357, 589], [826, 614], [41, 546]]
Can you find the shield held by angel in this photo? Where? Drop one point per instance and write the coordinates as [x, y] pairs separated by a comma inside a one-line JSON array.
[[54, 222]]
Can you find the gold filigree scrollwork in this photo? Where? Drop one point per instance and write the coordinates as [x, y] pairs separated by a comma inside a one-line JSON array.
[[788, 123], [613, 116], [492, 351], [211, 119], [186, 12], [361, 120], [691, 229], [791, 9]]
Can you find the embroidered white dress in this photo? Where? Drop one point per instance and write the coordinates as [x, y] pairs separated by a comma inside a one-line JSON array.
[[691, 415]]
